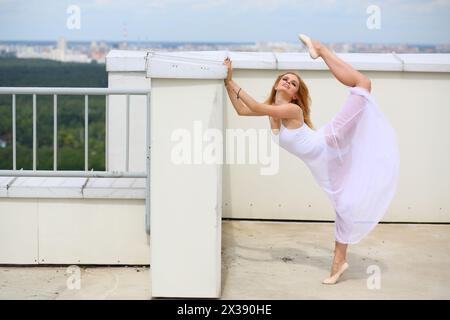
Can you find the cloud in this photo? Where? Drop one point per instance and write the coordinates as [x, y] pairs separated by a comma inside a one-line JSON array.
[[228, 5], [429, 6], [415, 6], [258, 5], [102, 2], [247, 19]]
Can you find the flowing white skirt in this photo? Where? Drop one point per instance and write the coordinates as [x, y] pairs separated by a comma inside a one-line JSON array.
[[362, 159]]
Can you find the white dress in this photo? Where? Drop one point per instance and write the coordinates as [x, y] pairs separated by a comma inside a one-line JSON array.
[[354, 158]]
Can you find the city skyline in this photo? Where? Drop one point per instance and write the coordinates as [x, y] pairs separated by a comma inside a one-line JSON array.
[[385, 21]]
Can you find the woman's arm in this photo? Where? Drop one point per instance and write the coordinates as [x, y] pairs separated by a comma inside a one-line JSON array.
[[232, 90], [246, 105], [242, 109], [238, 105], [284, 111]]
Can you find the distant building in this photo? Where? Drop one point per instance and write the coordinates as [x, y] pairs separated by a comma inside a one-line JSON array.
[[94, 46], [62, 44], [3, 143], [60, 53], [96, 50]]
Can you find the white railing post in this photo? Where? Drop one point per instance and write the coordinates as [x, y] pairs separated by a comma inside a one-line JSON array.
[[127, 134], [55, 132], [86, 133], [106, 132], [14, 131], [34, 132]]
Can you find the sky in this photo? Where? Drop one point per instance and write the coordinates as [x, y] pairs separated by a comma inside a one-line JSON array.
[[383, 21]]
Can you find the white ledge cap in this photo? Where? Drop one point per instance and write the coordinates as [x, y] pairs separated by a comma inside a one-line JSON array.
[[208, 64], [188, 64], [426, 62], [126, 60], [71, 187], [253, 60]]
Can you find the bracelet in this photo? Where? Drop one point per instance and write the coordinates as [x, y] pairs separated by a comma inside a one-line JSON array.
[[237, 97]]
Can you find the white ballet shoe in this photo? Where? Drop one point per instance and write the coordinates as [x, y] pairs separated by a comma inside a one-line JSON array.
[[333, 279], [307, 41]]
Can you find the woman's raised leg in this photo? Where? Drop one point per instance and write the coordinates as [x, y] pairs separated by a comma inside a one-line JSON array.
[[344, 72]]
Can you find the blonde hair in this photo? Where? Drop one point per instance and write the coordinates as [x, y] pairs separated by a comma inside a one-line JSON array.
[[303, 101]]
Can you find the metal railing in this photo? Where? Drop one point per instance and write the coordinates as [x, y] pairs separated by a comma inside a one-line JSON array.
[[86, 173]]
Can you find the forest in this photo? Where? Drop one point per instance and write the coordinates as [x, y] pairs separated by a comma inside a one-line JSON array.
[[70, 115]]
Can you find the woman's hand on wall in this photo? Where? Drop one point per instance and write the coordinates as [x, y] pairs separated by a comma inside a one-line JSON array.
[[227, 63]]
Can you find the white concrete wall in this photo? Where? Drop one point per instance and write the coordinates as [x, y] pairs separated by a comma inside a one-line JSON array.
[[185, 198], [19, 235], [89, 231], [72, 231], [416, 103]]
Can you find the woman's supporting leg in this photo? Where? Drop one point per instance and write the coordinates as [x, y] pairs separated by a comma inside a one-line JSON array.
[[339, 263], [340, 256], [344, 72]]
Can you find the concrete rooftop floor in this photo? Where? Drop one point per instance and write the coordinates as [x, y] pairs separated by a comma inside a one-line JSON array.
[[275, 260]]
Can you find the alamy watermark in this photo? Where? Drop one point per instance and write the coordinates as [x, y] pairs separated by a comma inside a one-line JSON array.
[[250, 146], [374, 20], [374, 280], [74, 19], [73, 282]]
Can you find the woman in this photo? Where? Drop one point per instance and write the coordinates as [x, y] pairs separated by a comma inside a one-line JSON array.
[[354, 157]]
